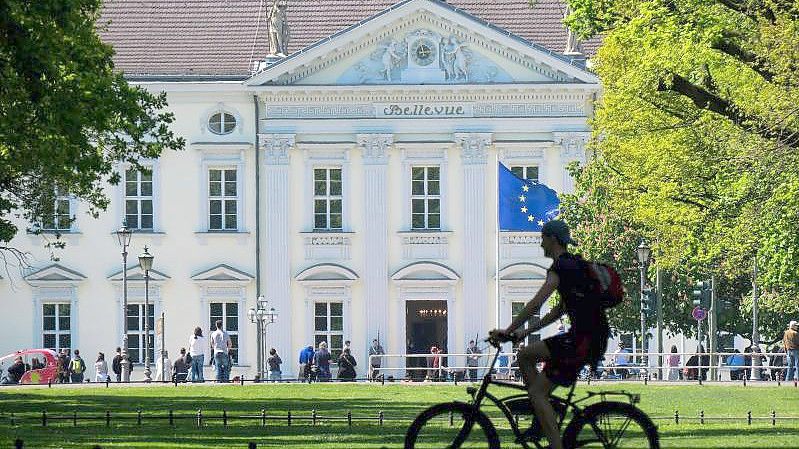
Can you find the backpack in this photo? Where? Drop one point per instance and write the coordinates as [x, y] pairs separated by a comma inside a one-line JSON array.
[[604, 284], [77, 366]]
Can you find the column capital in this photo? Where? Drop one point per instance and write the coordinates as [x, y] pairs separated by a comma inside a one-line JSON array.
[[276, 147], [474, 146], [572, 143], [375, 147]]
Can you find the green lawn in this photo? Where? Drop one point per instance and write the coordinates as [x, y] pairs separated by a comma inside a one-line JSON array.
[[399, 404]]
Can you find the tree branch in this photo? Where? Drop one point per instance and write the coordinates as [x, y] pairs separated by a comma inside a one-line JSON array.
[[731, 48], [704, 99]]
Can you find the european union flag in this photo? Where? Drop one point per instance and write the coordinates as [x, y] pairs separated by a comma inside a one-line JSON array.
[[524, 205]]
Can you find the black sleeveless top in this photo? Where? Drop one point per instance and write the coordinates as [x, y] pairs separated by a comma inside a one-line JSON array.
[[586, 314]]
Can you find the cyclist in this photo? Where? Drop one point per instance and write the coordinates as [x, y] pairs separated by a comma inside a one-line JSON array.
[[564, 354]]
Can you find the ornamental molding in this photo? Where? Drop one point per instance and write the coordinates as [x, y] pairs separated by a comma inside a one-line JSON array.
[[327, 246], [276, 147], [419, 245], [474, 147], [572, 144], [375, 147]]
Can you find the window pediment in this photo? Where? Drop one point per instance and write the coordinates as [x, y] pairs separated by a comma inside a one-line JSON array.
[[331, 273], [426, 272], [222, 273], [523, 272], [54, 274], [135, 274]]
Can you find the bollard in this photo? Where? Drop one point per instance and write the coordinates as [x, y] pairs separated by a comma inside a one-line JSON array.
[[44, 418], [263, 417], [175, 380], [138, 417], [646, 380], [171, 418], [744, 380], [199, 417], [451, 418], [224, 418], [107, 418], [313, 417], [676, 417], [252, 445], [49, 384], [106, 381], [288, 418], [773, 418], [18, 444], [383, 380], [380, 417], [701, 417], [241, 380], [749, 417], [349, 418], [74, 419], [795, 383]]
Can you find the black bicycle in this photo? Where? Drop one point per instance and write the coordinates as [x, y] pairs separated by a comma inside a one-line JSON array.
[[606, 424]]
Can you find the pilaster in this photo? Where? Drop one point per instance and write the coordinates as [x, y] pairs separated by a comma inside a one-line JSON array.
[[572, 148]]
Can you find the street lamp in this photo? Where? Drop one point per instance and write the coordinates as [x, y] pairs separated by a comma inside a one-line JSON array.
[[644, 253], [262, 317], [123, 237], [146, 264]]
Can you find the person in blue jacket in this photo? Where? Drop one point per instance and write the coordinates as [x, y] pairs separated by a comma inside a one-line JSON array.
[[306, 359]]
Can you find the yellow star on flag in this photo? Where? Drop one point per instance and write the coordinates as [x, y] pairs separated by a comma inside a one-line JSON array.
[[540, 222], [522, 198], [530, 218], [525, 188], [524, 210]]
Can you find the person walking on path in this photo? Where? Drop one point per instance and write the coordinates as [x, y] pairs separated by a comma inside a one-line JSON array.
[[180, 367], [100, 368], [306, 359], [375, 359], [321, 359], [472, 359], [790, 341], [116, 364], [346, 366], [63, 367], [673, 361], [221, 344], [274, 362], [197, 345], [77, 367]]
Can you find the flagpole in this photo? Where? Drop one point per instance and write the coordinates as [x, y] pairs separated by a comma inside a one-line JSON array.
[[496, 240]]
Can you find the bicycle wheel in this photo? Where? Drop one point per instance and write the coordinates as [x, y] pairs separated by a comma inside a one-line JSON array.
[[611, 425], [451, 425]]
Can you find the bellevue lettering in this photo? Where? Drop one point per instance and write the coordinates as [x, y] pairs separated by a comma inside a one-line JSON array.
[[422, 110]]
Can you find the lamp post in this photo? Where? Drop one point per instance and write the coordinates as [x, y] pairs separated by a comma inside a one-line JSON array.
[[644, 252], [123, 237], [146, 263], [262, 317]]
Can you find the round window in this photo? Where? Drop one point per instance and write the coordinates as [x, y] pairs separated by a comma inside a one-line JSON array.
[[222, 123]]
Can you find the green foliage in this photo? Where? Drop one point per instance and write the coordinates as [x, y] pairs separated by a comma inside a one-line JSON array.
[[696, 149], [66, 117]]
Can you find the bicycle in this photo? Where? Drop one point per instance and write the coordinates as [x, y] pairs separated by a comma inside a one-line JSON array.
[[605, 424]]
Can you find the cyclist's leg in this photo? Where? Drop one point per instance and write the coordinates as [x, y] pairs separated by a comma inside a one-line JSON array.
[[539, 388]]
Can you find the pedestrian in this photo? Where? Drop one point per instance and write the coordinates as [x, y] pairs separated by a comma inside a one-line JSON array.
[[673, 361], [181, 366], [14, 372], [306, 359], [220, 346], [434, 364], [63, 367], [76, 368], [321, 359], [274, 362], [472, 359], [375, 359], [197, 345], [100, 368], [621, 360], [163, 368], [116, 364], [346, 366], [776, 363], [736, 363], [790, 341]]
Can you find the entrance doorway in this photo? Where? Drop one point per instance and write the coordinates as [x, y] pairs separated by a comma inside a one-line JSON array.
[[425, 327]]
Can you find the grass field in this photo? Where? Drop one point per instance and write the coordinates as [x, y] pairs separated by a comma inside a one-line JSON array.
[[399, 404]]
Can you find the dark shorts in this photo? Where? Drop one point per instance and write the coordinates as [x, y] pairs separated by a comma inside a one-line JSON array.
[[569, 353]]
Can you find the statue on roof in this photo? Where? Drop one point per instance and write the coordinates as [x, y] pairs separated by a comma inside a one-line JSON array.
[[278, 29]]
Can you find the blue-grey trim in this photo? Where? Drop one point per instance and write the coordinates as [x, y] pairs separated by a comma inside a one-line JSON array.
[[225, 266], [354, 274]]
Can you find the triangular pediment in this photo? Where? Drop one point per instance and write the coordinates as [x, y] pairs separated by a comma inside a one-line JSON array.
[[135, 273], [422, 42], [223, 273], [54, 273]]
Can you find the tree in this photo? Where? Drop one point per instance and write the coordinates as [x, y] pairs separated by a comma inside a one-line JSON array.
[[697, 144], [67, 118]]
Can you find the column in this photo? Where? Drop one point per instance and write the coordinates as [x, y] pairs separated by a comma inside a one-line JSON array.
[[275, 219], [572, 149], [476, 304], [374, 150]]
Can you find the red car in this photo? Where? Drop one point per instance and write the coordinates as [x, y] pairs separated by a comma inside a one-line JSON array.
[[41, 366]]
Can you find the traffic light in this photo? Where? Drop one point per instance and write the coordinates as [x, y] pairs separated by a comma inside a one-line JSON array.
[[701, 294], [648, 298]]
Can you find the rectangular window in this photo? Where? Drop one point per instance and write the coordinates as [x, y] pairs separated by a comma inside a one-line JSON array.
[[327, 198], [529, 172], [56, 333], [516, 309], [136, 343], [329, 326], [228, 312], [426, 197], [139, 199], [222, 199], [61, 217]]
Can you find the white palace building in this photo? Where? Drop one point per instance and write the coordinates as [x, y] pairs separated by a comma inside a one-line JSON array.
[[340, 160]]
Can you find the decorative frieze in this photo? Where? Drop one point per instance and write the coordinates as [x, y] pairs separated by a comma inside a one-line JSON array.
[[520, 246], [576, 109], [474, 146], [425, 245], [229, 292], [276, 147], [327, 246], [375, 147]]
